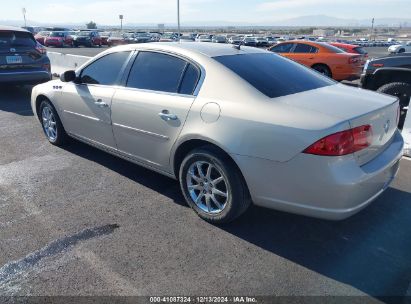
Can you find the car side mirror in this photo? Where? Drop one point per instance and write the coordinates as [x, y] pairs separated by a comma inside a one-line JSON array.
[[68, 76]]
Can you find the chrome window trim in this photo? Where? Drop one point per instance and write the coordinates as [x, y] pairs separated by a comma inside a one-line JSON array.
[[133, 56], [182, 57], [157, 92]]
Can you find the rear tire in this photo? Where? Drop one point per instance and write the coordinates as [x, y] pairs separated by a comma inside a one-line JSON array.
[[401, 51], [323, 69], [219, 194], [51, 123], [401, 90]]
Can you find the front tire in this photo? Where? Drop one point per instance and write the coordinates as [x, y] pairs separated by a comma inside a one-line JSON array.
[[213, 186], [401, 51], [51, 123]]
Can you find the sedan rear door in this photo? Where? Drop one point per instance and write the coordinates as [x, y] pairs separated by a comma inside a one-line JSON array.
[[149, 113]]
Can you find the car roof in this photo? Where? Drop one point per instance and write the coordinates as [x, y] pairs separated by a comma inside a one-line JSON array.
[[195, 48], [13, 28]]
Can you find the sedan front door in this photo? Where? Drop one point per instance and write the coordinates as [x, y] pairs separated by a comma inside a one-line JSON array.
[[86, 103]]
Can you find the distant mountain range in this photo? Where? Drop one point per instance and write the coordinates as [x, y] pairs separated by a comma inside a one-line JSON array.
[[303, 21]]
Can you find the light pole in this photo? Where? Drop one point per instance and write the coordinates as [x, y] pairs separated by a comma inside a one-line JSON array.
[[178, 19], [121, 22], [24, 15], [372, 29]]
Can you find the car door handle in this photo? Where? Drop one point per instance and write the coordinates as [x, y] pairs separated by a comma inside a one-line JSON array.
[[165, 115], [100, 103]]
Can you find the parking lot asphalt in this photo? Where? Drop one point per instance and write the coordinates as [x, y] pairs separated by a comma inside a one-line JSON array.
[[77, 221], [91, 52]]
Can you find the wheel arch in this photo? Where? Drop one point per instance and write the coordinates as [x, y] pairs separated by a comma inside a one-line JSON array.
[[324, 65], [384, 76], [184, 147], [38, 101]]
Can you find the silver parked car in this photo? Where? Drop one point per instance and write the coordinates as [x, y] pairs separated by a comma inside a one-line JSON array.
[[233, 125]]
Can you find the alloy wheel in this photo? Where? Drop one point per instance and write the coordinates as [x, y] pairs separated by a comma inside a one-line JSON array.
[[49, 123], [207, 187]]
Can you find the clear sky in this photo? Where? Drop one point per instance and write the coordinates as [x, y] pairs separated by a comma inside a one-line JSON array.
[[163, 11]]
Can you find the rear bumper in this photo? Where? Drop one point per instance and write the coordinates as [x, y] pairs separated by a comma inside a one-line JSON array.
[[332, 188], [24, 77], [54, 43]]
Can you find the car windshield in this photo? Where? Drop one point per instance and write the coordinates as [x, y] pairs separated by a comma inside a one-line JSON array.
[[204, 37], [274, 75], [16, 39], [57, 34], [360, 50]]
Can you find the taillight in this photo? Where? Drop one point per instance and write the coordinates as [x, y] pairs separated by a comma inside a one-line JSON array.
[[47, 67], [378, 65], [342, 143], [41, 49], [353, 60]]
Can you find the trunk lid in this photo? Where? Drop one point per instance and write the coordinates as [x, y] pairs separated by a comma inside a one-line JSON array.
[[358, 107]]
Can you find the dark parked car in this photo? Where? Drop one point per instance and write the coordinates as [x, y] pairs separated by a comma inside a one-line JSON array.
[[390, 75], [249, 41], [87, 38], [142, 37], [22, 59], [262, 42]]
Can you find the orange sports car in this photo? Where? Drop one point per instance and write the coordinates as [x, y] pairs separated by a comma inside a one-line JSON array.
[[326, 59]]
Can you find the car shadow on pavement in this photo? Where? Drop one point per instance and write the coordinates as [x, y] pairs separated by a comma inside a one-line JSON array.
[[370, 251], [16, 99], [148, 178]]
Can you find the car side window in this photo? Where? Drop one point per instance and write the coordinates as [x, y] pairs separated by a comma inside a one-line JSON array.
[[282, 48], [304, 48], [157, 72], [190, 80], [106, 70]]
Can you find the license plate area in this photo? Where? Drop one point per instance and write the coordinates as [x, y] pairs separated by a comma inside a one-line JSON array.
[[14, 59]]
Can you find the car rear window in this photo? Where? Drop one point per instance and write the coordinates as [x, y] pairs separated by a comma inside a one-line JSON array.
[[332, 48], [360, 50], [10, 39], [274, 75]]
